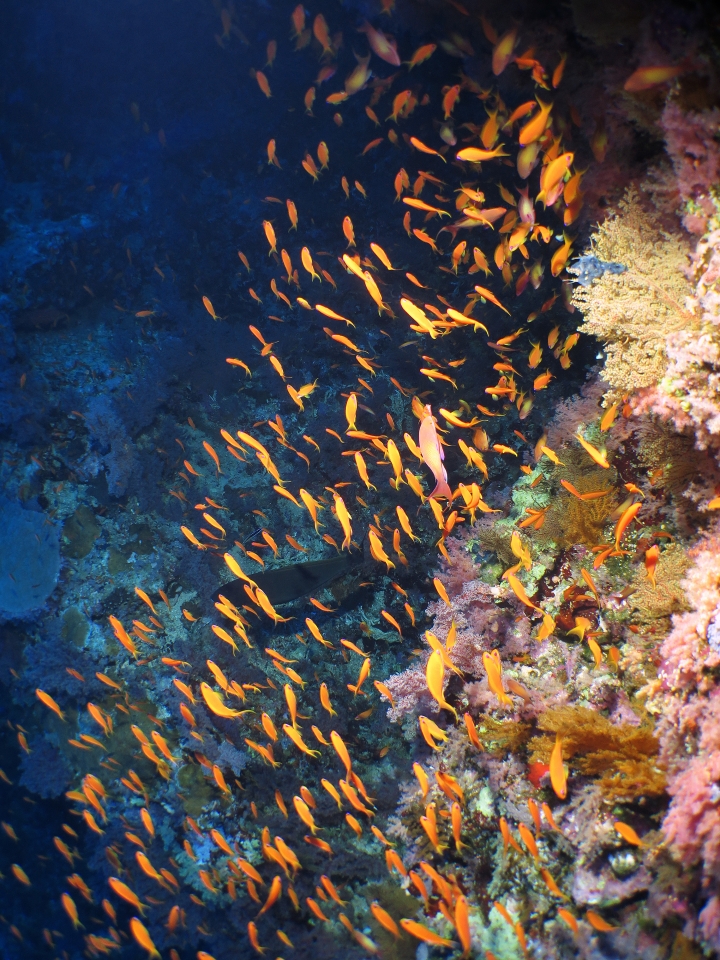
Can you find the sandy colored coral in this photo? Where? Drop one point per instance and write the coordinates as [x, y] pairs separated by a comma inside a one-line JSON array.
[[688, 397], [633, 312], [668, 595]]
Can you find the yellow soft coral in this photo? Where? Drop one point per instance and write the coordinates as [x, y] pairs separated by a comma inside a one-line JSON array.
[[633, 312], [622, 756]]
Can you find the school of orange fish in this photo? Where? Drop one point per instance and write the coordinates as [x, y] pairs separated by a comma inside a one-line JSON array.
[[513, 240]]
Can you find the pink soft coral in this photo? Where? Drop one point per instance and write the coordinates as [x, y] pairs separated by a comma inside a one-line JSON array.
[[410, 693], [692, 824], [689, 728], [695, 153], [687, 655]]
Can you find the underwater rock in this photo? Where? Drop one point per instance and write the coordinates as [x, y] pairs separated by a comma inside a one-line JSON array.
[[75, 627], [29, 559], [624, 880], [40, 244], [44, 770], [109, 434]]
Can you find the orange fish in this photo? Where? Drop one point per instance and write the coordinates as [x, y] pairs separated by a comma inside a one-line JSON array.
[[70, 909], [344, 518], [272, 159], [380, 44], [489, 295], [254, 938], [560, 257], [652, 555], [143, 938], [46, 699], [270, 234], [535, 127], [553, 173], [322, 34], [646, 77], [423, 148], [476, 155], [323, 155], [540, 382], [558, 778], [451, 97], [298, 20], [503, 51], [433, 455], [347, 226], [384, 919], [121, 890], [262, 82], [598, 923], [598, 456], [424, 934], [421, 55], [307, 262], [625, 521]]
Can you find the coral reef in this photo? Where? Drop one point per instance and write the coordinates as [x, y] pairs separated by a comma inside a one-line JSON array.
[[497, 734]]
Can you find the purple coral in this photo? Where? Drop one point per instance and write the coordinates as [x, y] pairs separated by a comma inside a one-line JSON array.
[[485, 618]]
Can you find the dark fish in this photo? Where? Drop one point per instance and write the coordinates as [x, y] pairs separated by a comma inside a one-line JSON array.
[[288, 583]]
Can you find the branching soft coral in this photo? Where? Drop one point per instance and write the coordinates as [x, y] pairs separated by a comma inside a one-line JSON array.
[[575, 412], [622, 756], [633, 312], [667, 596], [689, 653], [570, 521]]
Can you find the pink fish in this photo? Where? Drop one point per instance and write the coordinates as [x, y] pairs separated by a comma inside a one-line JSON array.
[[526, 209], [432, 454], [381, 45]]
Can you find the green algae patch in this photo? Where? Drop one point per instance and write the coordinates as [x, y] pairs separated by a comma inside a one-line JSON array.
[[80, 532], [398, 904], [116, 562], [74, 627], [196, 791]]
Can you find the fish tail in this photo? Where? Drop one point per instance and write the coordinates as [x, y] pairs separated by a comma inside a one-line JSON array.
[[442, 489]]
